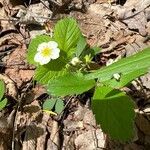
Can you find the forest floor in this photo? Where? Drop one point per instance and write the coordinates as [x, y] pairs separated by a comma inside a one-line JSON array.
[[120, 27]]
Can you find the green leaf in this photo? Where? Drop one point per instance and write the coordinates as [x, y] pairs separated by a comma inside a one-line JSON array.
[[69, 84], [32, 49], [59, 107], [66, 34], [124, 66], [50, 71], [124, 79], [90, 51], [49, 104], [96, 50], [114, 111], [2, 89], [55, 103], [3, 103], [81, 45]]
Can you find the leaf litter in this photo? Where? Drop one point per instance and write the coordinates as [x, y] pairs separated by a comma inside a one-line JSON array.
[[121, 29]]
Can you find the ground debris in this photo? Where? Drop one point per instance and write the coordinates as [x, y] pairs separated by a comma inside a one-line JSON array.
[[80, 131], [133, 14], [120, 28], [87, 140], [11, 89]]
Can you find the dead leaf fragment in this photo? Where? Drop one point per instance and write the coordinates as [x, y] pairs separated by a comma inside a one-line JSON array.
[[10, 86], [143, 124], [133, 14], [26, 75], [87, 140]]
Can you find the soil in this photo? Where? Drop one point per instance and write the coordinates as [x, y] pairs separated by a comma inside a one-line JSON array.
[[120, 27]]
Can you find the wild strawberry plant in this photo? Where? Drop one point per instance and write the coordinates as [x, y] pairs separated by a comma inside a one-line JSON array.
[[63, 65]]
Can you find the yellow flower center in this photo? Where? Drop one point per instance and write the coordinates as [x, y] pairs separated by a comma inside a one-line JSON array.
[[46, 52]]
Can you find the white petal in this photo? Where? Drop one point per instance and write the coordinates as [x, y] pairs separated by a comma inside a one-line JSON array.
[[52, 44], [55, 53], [40, 59], [41, 46], [37, 57], [45, 60]]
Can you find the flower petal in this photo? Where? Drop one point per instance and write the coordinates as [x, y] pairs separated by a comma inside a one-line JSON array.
[[55, 53], [42, 46], [37, 57], [40, 59], [45, 60], [52, 44]]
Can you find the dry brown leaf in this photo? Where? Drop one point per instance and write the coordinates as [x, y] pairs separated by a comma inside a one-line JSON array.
[[146, 81], [143, 124], [133, 14], [90, 140], [10, 86]]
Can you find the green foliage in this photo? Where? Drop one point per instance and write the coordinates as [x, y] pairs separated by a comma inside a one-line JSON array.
[[81, 45], [66, 34], [32, 49], [2, 89], [125, 79], [55, 104], [59, 107], [3, 102], [96, 50], [90, 52], [49, 104], [114, 111], [83, 49], [70, 84], [50, 71], [137, 62]]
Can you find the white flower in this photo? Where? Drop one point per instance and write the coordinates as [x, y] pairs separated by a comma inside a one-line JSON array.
[[75, 61], [46, 52]]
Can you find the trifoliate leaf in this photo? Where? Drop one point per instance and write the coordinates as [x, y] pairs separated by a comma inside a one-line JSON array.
[[2, 89], [69, 84], [3, 103], [59, 107], [66, 34], [32, 49], [114, 111]]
